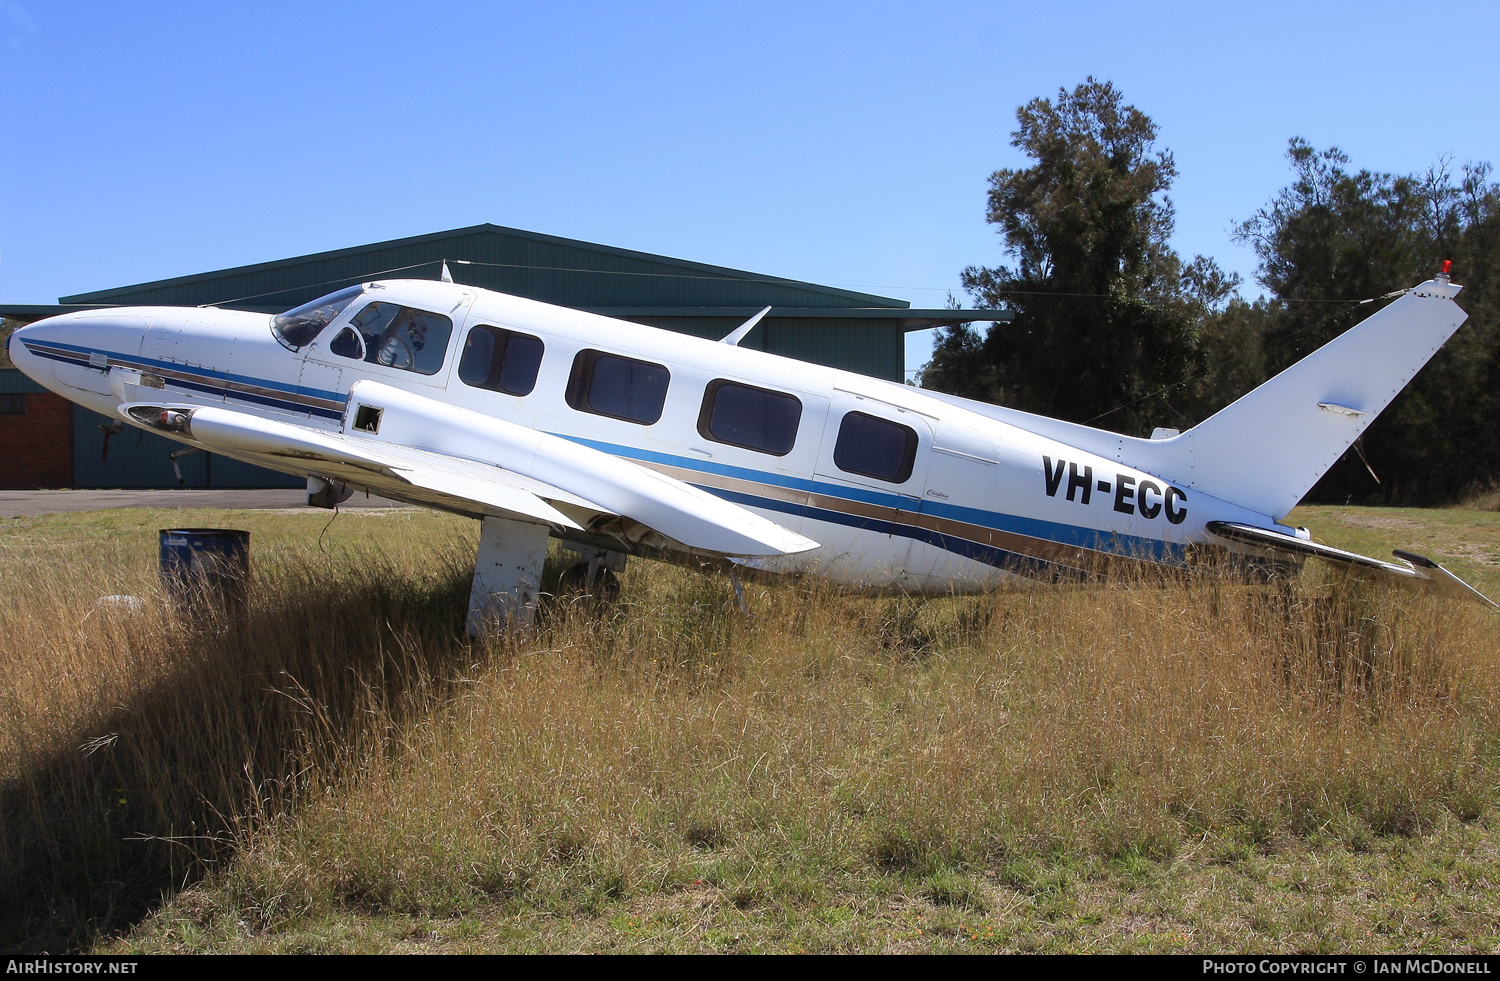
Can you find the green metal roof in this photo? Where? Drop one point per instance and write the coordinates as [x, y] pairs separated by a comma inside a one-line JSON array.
[[509, 260], [28, 312], [823, 324]]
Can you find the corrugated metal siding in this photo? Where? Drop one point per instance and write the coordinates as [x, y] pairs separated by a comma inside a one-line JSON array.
[[138, 459], [13, 382], [710, 328], [224, 472], [870, 347]]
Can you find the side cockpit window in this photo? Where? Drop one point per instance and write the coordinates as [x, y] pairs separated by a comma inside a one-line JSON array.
[[400, 337], [875, 447], [500, 360], [298, 326], [348, 344]]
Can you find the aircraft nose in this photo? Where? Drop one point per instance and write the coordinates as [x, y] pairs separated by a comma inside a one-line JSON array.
[[74, 350], [20, 348]]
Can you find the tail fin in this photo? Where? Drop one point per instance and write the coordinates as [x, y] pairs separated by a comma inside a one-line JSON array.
[[1267, 449]]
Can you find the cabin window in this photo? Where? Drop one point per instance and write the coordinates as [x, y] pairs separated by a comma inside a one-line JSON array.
[[402, 337], [622, 388], [299, 325], [500, 360], [754, 418], [874, 447]]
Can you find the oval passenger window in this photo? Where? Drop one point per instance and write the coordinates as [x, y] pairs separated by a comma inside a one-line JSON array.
[[622, 388]]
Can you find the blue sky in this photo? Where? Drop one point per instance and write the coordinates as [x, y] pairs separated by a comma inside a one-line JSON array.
[[846, 144]]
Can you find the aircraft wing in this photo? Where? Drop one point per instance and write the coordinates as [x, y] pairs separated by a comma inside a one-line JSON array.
[[1413, 568], [618, 499], [432, 478]]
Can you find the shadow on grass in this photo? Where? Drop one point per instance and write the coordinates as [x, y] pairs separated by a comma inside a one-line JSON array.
[[247, 716]]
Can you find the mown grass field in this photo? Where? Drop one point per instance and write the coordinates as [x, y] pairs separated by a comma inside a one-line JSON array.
[[1184, 765]]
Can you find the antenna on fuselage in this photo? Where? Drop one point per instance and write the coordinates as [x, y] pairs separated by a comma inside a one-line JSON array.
[[734, 337], [446, 276]]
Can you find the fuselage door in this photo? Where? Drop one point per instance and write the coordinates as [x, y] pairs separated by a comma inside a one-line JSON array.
[[180, 354], [320, 390], [868, 485]]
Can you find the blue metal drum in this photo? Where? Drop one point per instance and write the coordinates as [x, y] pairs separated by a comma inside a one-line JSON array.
[[207, 564]]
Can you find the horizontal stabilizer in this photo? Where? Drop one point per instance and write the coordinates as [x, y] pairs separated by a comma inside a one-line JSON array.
[[1413, 568], [1443, 580]]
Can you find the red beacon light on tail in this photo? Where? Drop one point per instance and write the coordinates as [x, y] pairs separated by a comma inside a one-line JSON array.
[[1447, 268]]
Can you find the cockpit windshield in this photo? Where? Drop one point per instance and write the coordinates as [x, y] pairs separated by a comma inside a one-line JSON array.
[[298, 326]]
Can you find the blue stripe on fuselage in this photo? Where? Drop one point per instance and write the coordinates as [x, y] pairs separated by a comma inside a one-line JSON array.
[[199, 370], [978, 551], [209, 373], [1134, 546]]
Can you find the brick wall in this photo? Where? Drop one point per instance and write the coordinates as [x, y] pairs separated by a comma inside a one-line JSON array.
[[36, 449]]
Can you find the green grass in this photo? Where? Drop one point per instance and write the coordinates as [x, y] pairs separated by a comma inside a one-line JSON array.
[[1465, 540], [1153, 766], [1438, 893]]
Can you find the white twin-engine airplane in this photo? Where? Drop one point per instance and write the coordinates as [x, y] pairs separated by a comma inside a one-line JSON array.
[[621, 439]]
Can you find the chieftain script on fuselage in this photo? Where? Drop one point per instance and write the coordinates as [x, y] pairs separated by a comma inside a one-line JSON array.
[[622, 439]]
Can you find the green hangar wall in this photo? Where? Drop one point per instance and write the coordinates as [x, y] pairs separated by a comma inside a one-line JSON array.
[[840, 328]]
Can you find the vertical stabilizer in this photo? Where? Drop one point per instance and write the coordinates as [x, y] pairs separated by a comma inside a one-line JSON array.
[[1266, 450]]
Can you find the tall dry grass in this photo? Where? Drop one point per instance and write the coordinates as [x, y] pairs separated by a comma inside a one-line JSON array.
[[137, 749], [342, 747]]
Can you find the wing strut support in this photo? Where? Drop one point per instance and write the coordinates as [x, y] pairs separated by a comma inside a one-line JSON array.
[[507, 576]]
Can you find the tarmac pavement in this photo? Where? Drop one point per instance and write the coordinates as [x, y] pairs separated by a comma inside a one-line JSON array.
[[28, 503]]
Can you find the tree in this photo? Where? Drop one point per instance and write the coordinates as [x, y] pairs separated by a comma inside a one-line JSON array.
[[1335, 236], [1107, 315], [7, 327]]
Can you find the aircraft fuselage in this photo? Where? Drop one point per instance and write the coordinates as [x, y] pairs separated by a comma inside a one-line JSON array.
[[899, 487]]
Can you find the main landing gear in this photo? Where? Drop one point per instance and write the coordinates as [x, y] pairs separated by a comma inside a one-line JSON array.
[[508, 576], [597, 576]]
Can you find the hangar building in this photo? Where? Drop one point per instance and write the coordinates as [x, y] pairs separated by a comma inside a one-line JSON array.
[[46, 442]]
